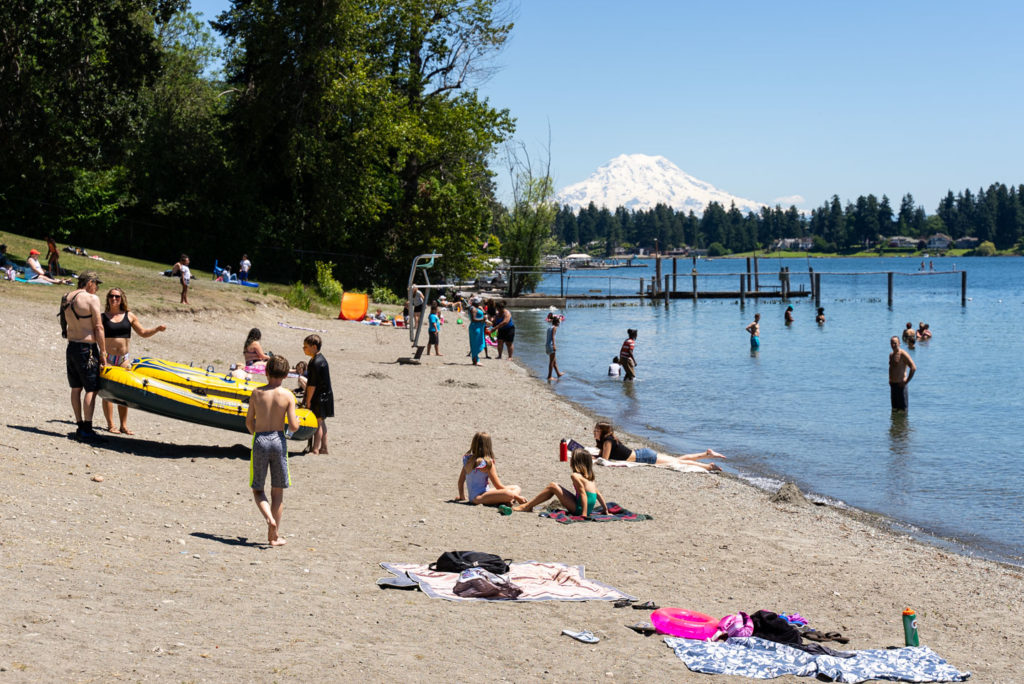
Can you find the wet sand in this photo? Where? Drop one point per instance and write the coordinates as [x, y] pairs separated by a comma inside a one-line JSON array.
[[159, 571]]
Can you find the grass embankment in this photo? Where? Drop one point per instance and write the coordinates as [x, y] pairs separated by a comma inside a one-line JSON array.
[[148, 290]]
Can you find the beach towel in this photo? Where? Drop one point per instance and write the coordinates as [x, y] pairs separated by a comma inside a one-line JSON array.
[[614, 512], [762, 659], [678, 467], [539, 582]]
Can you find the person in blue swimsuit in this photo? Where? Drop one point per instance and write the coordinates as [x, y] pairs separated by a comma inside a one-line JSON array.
[[755, 332], [582, 499], [477, 323], [480, 474]]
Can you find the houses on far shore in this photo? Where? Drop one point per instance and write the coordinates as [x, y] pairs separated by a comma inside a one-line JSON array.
[[938, 242]]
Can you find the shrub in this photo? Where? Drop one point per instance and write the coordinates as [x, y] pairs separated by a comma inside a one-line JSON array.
[[329, 289], [299, 297], [717, 249], [986, 248], [383, 295]]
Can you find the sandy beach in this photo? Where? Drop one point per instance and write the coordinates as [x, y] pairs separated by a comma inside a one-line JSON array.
[[158, 571]]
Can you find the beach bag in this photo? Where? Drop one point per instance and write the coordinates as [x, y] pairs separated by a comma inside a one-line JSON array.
[[479, 583], [457, 561]]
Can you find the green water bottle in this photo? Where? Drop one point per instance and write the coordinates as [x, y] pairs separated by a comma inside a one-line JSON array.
[[910, 627]]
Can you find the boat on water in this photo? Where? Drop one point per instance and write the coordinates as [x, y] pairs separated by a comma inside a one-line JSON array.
[[128, 388], [202, 381]]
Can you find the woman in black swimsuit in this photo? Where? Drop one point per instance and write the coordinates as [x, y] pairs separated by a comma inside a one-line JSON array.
[[118, 323]]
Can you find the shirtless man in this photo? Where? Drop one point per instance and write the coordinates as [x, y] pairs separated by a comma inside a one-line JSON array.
[[755, 333], [899, 365], [86, 352], [909, 335]]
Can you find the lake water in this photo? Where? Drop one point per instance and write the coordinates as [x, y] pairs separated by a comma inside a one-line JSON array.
[[812, 406]]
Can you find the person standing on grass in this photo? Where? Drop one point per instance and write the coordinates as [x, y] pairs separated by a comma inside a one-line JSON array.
[[86, 351], [184, 274], [269, 407], [243, 268], [901, 370], [434, 330], [319, 397], [627, 357], [550, 347]]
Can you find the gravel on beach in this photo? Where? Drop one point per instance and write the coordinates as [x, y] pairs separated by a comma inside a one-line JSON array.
[[141, 558]]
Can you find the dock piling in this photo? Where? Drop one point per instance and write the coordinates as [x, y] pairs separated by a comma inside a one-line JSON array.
[[889, 278]]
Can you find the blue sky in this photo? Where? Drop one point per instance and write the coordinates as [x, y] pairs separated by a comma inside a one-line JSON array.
[[770, 100]]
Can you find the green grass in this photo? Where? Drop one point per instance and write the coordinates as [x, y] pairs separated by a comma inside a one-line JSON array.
[[148, 290]]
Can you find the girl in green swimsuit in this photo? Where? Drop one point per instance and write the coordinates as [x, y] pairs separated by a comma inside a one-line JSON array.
[[582, 499]]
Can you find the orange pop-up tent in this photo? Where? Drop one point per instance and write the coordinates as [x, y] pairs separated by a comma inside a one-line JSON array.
[[354, 306]]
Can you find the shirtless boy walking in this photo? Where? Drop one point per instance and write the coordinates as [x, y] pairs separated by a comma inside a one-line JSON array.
[[899, 363], [268, 407]]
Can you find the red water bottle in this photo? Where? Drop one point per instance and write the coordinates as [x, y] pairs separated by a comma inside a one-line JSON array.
[[563, 451]]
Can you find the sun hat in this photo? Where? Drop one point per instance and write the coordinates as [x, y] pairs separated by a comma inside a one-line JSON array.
[[33, 252]]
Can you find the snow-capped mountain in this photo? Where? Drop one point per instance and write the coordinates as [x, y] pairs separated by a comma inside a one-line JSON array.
[[641, 181]]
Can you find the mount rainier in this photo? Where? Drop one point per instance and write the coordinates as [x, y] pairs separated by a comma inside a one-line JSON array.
[[640, 181]]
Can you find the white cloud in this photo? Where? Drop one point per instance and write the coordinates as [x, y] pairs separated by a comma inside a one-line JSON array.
[[789, 200]]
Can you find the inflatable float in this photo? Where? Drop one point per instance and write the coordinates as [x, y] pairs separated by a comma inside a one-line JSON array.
[[200, 381], [684, 623], [128, 388]]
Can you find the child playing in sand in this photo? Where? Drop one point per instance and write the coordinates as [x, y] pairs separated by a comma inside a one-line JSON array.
[[582, 499], [434, 329], [268, 407], [481, 473]]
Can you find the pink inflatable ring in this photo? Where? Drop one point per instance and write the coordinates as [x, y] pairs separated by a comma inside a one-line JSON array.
[[684, 623]]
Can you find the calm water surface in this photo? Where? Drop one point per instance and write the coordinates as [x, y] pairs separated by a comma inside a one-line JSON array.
[[812, 406]]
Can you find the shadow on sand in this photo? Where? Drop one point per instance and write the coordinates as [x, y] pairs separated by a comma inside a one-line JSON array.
[[142, 447], [230, 541]]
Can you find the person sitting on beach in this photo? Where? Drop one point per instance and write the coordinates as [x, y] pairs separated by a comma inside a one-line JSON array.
[[611, 449], [252, 350], [35, 271], [269, 407], [300, 371], [614, 368], [480, 473], [582, 499], [910, 335], [923, 333]]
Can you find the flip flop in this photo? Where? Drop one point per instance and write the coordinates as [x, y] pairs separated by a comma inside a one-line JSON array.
[[585, 636], [646, 605], [622, 603], [645, 628]]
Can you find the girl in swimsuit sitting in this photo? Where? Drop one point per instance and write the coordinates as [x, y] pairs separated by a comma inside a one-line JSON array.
[[611, 449], [252, 350], [481, 474], [582, 499]]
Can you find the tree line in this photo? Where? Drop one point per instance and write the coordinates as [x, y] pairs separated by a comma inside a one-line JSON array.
[[994, 214], [342, 130]]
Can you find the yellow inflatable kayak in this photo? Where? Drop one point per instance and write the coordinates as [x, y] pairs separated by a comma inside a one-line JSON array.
[[198, 380], [128, 388]]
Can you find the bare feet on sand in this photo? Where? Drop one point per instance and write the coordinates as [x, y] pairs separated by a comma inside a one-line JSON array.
[[710, 453], [522, 508], [125, 431], [272, 537]]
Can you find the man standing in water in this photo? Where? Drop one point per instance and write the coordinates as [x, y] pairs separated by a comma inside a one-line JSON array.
[[899, 364], [86, 352], [626, 357]]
